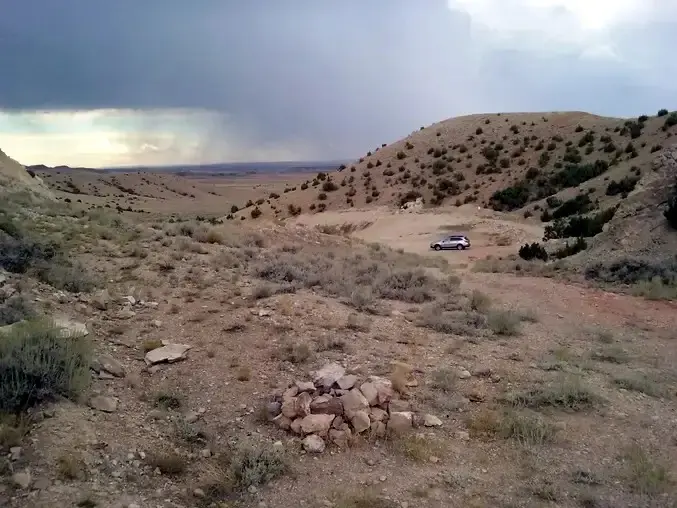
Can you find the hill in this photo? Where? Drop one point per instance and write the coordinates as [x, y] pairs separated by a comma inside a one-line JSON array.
[[15, 176], [506, 161]]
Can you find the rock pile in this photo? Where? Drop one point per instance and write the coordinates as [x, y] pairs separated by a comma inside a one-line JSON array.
[[335, 407]]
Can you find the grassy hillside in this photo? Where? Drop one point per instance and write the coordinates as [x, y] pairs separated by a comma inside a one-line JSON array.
[[509, 161]]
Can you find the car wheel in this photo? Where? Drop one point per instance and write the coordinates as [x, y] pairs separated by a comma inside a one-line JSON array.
[[437, 247], [459, 247], [462, 247]]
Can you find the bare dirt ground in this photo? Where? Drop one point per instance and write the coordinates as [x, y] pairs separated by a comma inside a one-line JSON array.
[[549, 393]]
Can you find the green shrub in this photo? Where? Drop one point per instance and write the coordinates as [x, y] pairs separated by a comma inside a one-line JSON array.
[[671, 212], [37, 363], [576, 205], [533, 251], [570, 250], [671, 120], [511, 198], [623, 186], [15, 309]]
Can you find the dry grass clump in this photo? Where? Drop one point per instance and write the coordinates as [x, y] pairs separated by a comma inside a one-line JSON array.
[[70, 466], [504, 322], [569, 394], [416, 447], [644, 474], [525, 427], [295, 353], [640, 382], [168, 463], [453, 322], [444, 379]]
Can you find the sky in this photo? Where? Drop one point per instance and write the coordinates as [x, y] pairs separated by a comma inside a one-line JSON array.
[[103, 83]]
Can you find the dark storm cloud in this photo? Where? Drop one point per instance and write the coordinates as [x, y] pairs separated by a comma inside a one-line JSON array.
[[343, 76]]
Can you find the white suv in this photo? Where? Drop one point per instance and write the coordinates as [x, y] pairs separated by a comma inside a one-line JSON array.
[[458, 242]]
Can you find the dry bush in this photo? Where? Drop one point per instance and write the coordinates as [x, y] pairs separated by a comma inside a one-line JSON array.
[[480, 302], [358, 323], [640, 382], [244, 373], [527, 428], [168, 463], [70, 466], [444, 379], [644, 474], [294, 353], [38, 364], [452, 322], [504, 322]]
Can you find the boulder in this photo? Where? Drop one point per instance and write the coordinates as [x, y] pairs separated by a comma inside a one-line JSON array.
[[378, 429], [316, 424], [384, 389], [354, 401], [376, 414], [347, 382], [101, 300], [337, 423], [169, 353], [289, 408], [313, 444], [22, 479], [326, 404], [273, 409], [290, 392], [328, 375], [295, 426], [400, 422], [282, 422], [360, 421], [370, 393], [302, 404], [69, 328]]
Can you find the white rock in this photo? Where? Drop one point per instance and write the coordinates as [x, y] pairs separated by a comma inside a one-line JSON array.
[[463, 374], [313, 444], [347, 382], [431, 421], [69, 328], [328, 375], [22, 479]]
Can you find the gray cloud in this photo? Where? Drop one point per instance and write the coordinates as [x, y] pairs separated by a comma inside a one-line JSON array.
[[339, 76]]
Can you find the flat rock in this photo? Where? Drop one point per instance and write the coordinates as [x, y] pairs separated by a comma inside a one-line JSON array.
[[354, 401], [431, 421], [316, 424], [290, 392], [400, 422], [170, 353], [384, 388], [103, 403], [328, 375], [101, 300], [360, 421], [69, 328], [370, 393], [313, 444], [326, 404], [347, 382], [111, 365]]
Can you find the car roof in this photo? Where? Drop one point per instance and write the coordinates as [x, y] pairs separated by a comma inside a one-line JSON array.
[[456, 236]]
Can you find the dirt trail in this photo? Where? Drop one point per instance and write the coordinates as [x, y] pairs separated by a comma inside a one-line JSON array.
[[413, 231]]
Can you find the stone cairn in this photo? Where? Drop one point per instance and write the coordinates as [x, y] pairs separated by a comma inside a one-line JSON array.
[[334, 408]]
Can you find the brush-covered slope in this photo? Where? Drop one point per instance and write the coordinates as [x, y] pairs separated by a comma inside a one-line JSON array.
[[14, 176], [507, 161]]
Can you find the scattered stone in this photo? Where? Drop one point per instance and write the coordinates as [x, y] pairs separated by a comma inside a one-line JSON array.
[[464, 374], [129, 299], [111, 365], [305, 386], [156, 323], [482, 371], [125, 313], [15, 453], [313, 444], [463, 435], [101, 300], [22, 479], [170, 353], [347, 382], [273, 409], [291, 392], [206, 453], [337, 423], [328, 375], [319, 424], [295, 426], [264, 312], [370, 393], [354, 401], [326, 404], [191, 417], [434, 459], [199, 493], [384, 387], [42, 484], [431, 421], [360, 421], [103, 403], [400, 422]]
